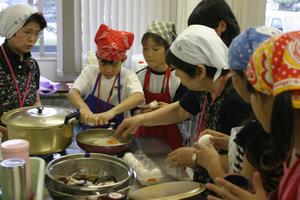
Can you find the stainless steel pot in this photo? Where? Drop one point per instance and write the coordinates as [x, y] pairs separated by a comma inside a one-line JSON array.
[[94, 163], [47, 128]]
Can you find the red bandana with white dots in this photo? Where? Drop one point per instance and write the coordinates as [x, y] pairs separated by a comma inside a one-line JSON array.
[[112, 44]]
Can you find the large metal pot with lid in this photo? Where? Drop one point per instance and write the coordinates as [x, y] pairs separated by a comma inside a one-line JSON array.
[[48, 129]]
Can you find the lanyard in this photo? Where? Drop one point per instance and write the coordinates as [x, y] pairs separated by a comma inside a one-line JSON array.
[[111, 90], [203, 120], [21, 100]]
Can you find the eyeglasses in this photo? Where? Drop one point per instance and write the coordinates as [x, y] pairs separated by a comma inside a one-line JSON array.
[[30, 34]]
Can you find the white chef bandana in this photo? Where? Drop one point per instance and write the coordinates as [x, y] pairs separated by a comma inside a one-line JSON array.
[[13, 18], [199, 44]]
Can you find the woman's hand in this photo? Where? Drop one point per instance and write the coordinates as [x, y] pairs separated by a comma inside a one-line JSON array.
[[207, 156], [219, 140], [181, 157], [230, 191], [128, 126]]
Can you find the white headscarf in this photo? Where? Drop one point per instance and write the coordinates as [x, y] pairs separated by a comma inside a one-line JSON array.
[[13, 18], [199, 44]]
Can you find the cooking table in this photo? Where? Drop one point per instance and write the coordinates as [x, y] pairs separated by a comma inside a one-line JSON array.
[[155, 148]]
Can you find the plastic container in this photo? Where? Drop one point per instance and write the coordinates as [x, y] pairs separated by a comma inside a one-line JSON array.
[[18, 148], [37, 168], [37, 172], [148, 173], [13, 174], [176, 172]]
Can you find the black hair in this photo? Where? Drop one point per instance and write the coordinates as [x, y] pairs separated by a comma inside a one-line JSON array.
[[190, 69], [282, 126], [37, 18], [159, 40], [239, 72], [108, 62], [250, 88], [210, 13]]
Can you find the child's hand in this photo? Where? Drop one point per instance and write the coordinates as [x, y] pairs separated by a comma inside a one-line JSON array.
[[86, 116], [103, 118], [230, 191]]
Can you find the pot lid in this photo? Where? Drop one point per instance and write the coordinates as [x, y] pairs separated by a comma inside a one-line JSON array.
[[36, 117], [170, 190]]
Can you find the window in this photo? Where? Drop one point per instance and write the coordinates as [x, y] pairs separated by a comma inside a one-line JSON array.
[[277, 23], [47, 43], [74, 23], [284, 15]]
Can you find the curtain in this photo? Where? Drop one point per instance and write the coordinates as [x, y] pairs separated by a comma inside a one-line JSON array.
[[248, 12], [127, 15], [135, 15], [184, 9]]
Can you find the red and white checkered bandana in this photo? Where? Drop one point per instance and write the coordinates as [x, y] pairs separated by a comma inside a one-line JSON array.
[[112, 44]]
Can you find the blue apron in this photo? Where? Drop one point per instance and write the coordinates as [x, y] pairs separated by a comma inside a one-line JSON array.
[[94, 103]]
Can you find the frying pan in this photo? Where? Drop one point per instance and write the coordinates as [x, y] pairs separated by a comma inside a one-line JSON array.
[[96, 141]]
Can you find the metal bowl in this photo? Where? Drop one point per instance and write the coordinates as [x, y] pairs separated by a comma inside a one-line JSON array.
[[94, 163], [55, 194]]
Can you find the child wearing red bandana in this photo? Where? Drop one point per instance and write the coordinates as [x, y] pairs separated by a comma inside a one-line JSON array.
[[109, 90]]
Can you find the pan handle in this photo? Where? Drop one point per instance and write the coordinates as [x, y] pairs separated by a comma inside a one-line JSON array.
[[75, 115], [111, 126]]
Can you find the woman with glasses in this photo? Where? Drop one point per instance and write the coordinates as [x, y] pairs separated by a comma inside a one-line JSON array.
[[19, 72]]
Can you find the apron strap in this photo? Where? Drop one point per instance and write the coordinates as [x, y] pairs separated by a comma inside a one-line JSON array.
[[119, 88], [95, 86], [165, 83]]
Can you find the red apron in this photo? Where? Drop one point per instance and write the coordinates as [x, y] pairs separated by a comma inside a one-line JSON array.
[[170, 133], [289, 184]]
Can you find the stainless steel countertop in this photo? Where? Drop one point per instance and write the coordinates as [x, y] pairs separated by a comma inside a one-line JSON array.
[[155, 148]]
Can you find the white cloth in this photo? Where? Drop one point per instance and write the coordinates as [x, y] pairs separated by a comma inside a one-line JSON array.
[[13, 18], [87, 79], [156, 82], [199, 44], [235, 153]]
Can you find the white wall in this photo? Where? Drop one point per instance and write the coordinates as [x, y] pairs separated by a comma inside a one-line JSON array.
[[48, 68], [248, 12], [184, 9]]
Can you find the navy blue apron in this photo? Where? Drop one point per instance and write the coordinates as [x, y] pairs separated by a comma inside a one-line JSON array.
[[103, 106]]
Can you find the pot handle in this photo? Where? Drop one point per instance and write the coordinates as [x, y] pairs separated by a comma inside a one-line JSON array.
[[40, 109], [75, 115]]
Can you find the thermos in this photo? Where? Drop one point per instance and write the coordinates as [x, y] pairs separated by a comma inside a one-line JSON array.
[[13, 179], [19, 148]]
